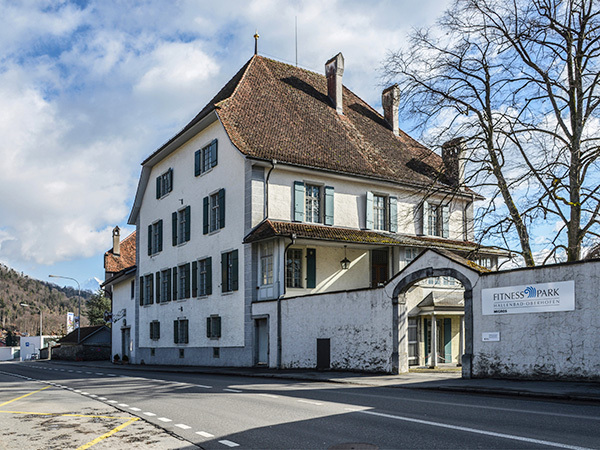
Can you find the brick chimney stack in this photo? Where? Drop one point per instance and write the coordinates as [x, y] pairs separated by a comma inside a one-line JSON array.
[[390, 100], [453, 156], [334, 70], [116, 241]]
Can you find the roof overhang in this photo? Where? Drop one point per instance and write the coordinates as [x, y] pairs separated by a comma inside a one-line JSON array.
[[120, 276]]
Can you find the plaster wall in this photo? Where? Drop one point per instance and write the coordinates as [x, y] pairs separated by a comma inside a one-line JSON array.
[[541, 345], [29, 346], [8, 353], [190, 190], [121, 299]]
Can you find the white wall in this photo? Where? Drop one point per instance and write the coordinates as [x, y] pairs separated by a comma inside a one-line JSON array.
[[7, 353], [541, 345], [190, 190], [29, 346], [121, 299]]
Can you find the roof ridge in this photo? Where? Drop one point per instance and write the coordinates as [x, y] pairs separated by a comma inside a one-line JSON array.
[[245, 69]]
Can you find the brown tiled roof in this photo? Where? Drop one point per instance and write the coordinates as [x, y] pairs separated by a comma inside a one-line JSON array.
[[270, 228], [272, 110], [114, 263]]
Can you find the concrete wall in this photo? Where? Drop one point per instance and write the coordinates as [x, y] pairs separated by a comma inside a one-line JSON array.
[[8, 353], [358, 323], [551, 345], [30, 345], [122, 300]]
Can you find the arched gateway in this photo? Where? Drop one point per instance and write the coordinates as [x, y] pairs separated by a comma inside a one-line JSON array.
[[430, 264]]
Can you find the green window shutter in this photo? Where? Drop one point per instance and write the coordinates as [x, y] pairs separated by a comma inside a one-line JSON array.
[[188, 223], [217, 332], [328, 205], [170, 176], [158, 186], [185, 324], [425, 217], [222, 208], [445, 221], [234, 270], [205, 215], [208, 276], [369, 212], [160, 235], [149, 239], [393, 214], [141, 289], [176, 331], [168, 274], [157, 278], [151, 330], [311, 268], [151, 290], [214, 153], [298, 201], [174, 228], [208, 327], [195, 279], [186, 272], [174, 282], [157, 330], [223, 272], [197, 162]]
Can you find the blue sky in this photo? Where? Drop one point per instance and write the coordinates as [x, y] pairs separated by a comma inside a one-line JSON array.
[[88, 89]]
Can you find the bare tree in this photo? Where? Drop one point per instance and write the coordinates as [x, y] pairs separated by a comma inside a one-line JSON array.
[[519, 80]]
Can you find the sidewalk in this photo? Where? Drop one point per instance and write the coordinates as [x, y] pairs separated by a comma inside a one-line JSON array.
[[427, 380]]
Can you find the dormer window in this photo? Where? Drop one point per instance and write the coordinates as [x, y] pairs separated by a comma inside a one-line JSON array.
[[164, 183]]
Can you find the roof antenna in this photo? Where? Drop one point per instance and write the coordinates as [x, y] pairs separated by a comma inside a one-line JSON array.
[[256, 36]]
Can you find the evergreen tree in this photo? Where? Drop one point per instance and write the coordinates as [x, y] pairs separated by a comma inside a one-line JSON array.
[[95, 307]]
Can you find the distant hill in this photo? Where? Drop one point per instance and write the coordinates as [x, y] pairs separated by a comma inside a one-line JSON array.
[[55, 302]]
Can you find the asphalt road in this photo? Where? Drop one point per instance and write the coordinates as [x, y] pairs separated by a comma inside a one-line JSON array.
[[220, 412]]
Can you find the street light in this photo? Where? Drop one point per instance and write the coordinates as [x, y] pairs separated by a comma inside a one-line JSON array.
[[78, 306], [27, 305]]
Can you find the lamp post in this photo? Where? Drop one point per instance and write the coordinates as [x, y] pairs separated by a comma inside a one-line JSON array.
[[78, 305], [27, 305]]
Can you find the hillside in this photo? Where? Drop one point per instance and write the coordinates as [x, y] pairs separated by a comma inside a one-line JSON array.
[[55, 302]]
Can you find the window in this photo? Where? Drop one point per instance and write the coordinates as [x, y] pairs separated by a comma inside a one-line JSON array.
[[181, 225], [381, 212], [436, 219], [181, 278], [165, 286], [313, 203], [164, 183], [213, 327], [146, 290], [180, 331], [155, 330], [205, 158], [214, 212], [155, 237], [266, 263], [489, 262], [202, 277], [229, 271], [132, 289], [293, 275]]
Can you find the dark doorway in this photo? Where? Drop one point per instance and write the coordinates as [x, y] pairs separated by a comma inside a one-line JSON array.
[[323, 354], [379, 267]]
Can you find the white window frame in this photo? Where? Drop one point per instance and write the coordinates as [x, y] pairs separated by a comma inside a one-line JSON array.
[[310, 200], [213, 213], [266, 263]]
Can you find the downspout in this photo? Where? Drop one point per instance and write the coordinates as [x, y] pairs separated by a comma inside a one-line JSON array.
[[266, 209], [293, 240]]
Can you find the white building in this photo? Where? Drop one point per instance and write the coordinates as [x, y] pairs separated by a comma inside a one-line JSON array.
[[286, 184]]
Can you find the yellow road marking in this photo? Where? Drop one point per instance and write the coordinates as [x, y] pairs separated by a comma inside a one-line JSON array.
[[110, 433], [66, 415], [23, 396]]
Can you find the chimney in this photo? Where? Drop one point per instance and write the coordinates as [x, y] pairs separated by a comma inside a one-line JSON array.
[[390, 100], [117, 241], [453, 156], [334, 69]]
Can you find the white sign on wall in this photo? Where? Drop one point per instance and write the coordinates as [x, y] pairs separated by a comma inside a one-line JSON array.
[[533, 298], [491, 337]]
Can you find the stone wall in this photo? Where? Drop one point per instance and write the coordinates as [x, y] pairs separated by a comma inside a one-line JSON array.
[[81, 353]]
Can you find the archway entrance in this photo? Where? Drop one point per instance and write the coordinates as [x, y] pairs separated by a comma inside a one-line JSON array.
[[432, 264]]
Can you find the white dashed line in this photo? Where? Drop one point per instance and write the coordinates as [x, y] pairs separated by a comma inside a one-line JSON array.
[[85, 393], [164, 419], [102, 398], [269, 395], [77, 390], [309, 402], [182, 426], [112, 401], [149, 414], [231, 390], [89, 373], [99, 373], [79, 371], [203, 386], [112, 375], [123, 405], [93, 396], [205, 434], [229, 443], [135, 409], [70, 371]]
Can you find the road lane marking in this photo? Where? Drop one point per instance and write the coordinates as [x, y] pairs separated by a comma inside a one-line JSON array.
[[23, 396], [79, 371], [99, 373], [77, 390], [85, 393], [205, 434], [110, 433], [203, 386], [311, 403], [231, 390], [182, 426], [475, 431], [65, 415], [269, 395], [89, 373], [164, 419], [102, 398], [123, 405], [229, 443], [111, 375], [93, 396], [151, 414], [112, 401]]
